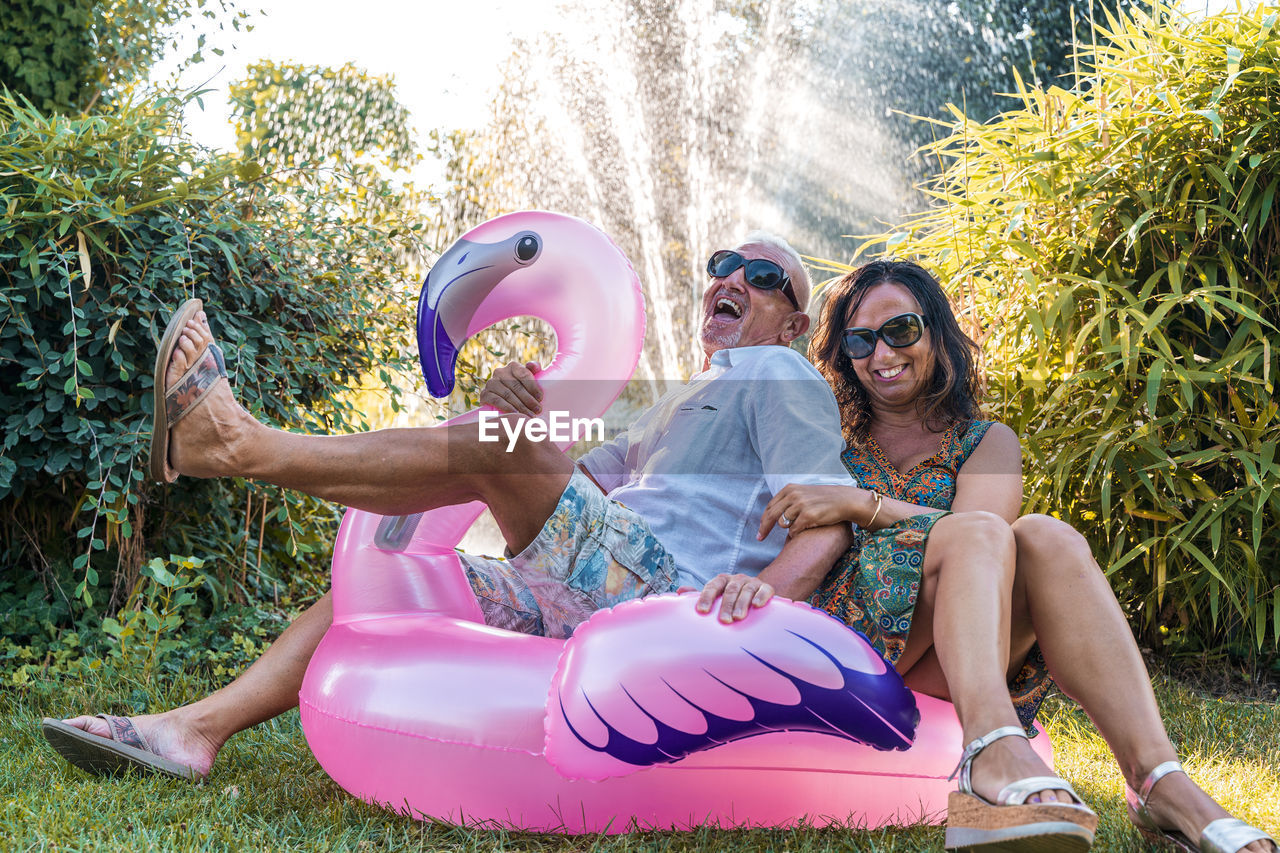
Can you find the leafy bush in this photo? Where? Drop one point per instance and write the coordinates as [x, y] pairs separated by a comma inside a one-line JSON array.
[[1115, 249], [291, 114], [110, 221], [64, 56], [145, 627]]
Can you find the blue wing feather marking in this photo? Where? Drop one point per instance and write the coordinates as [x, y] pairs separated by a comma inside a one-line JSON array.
[[877, 710]]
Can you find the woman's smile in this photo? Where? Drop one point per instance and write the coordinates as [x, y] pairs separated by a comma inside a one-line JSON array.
[[892, 376], [886, 374]]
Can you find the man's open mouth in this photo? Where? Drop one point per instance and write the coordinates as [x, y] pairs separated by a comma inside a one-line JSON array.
[[727, 309]]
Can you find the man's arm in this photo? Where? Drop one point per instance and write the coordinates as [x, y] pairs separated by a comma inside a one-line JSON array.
[[794, 425], [803, 562]]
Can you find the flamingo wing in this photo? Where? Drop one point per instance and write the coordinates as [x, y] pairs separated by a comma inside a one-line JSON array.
[[652, 681]]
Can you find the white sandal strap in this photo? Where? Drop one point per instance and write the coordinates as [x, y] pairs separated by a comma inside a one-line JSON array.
[[974, 747], [1016, 793], [1224, 835], [1157, 772], [1229, 834]]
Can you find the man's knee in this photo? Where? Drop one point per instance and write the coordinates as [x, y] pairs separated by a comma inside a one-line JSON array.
[[502, 446]]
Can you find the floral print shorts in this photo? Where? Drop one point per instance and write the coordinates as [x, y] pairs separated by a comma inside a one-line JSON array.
[[592, 553]]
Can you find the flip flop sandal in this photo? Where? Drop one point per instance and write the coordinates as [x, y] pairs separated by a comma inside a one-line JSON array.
[[126, 748], [1224, 835], [1011, 823], [172, 405]]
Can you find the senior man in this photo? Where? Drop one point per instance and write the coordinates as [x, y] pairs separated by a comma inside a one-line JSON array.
[[673, 502]]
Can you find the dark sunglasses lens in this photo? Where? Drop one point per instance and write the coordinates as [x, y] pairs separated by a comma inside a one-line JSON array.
[[858, 343], [902, 331], [723, 263], [765, 275]]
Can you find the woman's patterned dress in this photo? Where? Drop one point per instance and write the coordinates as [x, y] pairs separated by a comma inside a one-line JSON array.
[[873, 587]]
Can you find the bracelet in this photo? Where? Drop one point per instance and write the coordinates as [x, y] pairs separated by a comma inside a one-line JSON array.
[[879, 503]]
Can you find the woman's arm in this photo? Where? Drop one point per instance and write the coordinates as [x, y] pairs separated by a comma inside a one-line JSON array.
[[797, 508], [990, 479]]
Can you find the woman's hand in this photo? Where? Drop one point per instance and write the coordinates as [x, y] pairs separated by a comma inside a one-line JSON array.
[[796, 508], [737, 594], [514, 389]]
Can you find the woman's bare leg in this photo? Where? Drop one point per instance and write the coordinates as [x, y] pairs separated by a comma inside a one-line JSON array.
[[1062, 600], [193, 734], [958, 647]]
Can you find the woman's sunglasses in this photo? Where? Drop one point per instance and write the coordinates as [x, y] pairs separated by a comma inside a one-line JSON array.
[[901, 331], [760, 273]]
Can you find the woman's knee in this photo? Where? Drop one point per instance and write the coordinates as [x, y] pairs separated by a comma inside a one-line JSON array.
[[1044, 534], [1052, 549], [966, 532], [981, 528]]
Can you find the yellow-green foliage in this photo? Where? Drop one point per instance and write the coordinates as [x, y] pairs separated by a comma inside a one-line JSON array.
[[290, 115], [1115, 249]]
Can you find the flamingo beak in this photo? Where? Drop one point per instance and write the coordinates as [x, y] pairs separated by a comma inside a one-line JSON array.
[[437, 353], [453, 291]]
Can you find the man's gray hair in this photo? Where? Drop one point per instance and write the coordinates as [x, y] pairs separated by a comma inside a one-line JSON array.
[[799, 275]]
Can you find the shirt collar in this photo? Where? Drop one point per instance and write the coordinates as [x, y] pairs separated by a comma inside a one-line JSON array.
[[734, 355]]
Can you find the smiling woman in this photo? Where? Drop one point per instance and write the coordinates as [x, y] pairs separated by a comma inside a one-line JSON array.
[[967, 617], [867, 370]]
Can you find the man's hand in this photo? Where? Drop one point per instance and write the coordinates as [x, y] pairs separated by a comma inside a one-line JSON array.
[[737, 594], [797, 508], [514, 389]]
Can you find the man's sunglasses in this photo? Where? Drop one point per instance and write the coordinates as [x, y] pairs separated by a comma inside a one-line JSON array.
[[760, 273], [901, 331]]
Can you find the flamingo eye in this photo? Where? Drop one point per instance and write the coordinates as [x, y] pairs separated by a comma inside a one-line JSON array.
[[526, 248]]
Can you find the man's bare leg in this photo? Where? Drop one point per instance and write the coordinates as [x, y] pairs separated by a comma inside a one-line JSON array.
[[193, 734], [389, 472]]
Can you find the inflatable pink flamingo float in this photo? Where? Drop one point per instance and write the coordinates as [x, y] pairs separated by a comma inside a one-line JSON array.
[[651, 715]]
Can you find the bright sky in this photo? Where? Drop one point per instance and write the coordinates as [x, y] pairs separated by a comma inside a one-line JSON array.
[[445, 54]]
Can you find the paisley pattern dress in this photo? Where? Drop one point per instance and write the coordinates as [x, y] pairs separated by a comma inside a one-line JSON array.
[[873, 587]]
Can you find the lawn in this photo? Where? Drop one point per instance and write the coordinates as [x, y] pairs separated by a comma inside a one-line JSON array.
[[267, 793]]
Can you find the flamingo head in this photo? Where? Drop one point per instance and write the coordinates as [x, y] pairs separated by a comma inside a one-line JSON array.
[[558, 268], [459, 283]]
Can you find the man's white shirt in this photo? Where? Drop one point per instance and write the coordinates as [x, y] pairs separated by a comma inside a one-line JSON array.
[[702, 463]]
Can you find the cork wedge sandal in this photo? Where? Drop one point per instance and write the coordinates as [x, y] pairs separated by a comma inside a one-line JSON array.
[[1224, 835], [173, 404], [1011, 823]]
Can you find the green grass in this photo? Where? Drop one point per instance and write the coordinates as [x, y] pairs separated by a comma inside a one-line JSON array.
[[267, 792]]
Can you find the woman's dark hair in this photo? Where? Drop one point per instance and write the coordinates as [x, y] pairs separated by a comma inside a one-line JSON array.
[[953, 391]]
